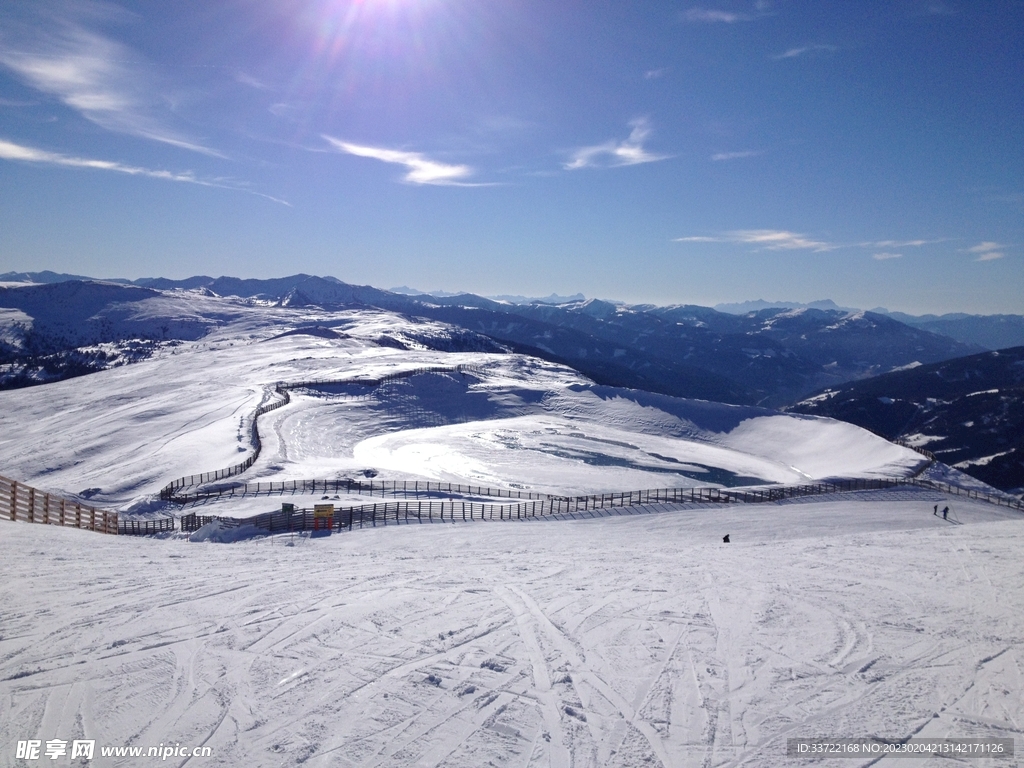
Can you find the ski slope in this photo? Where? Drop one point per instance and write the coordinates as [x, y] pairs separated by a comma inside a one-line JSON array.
[[635, 639]]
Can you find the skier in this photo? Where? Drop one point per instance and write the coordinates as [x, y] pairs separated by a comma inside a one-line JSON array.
[[726, 538], [945, 512], [936, 512]]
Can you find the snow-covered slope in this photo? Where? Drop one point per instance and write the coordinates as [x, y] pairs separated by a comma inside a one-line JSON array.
[[119, 435], [633, 640]]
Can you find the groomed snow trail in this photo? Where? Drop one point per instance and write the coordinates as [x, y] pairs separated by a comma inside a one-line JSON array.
[[632, 640]]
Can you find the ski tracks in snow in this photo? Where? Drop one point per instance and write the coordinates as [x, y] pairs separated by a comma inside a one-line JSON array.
[[619, 643]]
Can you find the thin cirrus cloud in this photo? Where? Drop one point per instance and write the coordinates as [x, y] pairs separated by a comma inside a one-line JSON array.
[[421, 169], [715, 16], [899, 243], [764, 239], [103, 80], [988, 251], [21, 153], [720, 156], [613, 154], [805, 50], [783, 240]]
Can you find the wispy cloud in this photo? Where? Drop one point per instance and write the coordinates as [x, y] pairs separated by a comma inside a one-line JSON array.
[[719, 156], [988, 251], [714, 16], [21, 153], [17, 103], [765, 239], [252, 82], [804, 50], [613, 153], [422, 170], [654, 74], [103, 80], [899, 243], [783, 240], [286, 110]]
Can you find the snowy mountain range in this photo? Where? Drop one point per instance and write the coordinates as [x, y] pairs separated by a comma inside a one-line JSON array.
[[969, 412], [769, 356], [56, 329]]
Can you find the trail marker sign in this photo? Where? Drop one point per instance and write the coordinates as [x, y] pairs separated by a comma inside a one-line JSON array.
[[323, 517]]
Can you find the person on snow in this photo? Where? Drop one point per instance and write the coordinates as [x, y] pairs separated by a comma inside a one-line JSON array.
[[936, 512], [945, 512], [725, 538]]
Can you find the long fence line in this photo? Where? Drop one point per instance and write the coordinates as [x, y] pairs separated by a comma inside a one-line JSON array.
[[403, 512], [20, 502], [396, 488], [169, 492], [900, 441], [451, 510], [421, 488]]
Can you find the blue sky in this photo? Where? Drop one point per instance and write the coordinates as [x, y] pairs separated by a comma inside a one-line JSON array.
[[868, 152]]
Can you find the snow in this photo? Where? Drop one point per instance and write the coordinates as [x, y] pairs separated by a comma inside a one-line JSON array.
[[509, 420], [220, 533], [619, 637], [920, 440], [907, 367], [633, 639], [983, 392], [982, 461], [9, 318]]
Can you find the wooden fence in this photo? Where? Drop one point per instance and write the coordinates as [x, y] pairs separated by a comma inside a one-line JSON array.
[[25, 503], [453, 510], [1003, 499], [146, 527], [900, 441], [392, 512], [396, 488], [419, 489], [170, 491]]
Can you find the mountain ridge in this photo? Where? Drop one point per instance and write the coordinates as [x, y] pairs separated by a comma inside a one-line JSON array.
[[769, 357], [968, 411]]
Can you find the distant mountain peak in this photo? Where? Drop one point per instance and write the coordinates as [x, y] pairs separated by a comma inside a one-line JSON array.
[[743, 307]]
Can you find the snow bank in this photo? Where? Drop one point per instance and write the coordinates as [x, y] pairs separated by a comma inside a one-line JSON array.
[[222, 533]]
